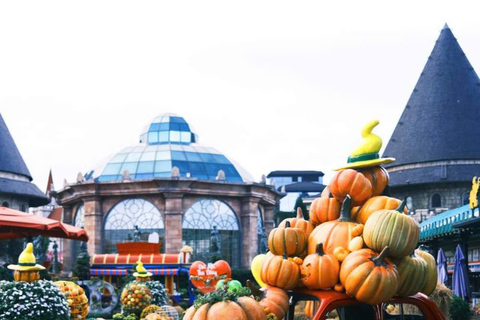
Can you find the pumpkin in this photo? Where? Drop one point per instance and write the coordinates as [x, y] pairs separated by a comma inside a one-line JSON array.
[[26, 276], [355, 244], [412, 274], [320, 270], [135, 297], [76, 298], [353, 183], [432, 273], [358, 230], [220, 310], [393, 229], [378, 177], [311, 308], [338, 287], [369, 277], [333, 234], [375, 204], [340, 253], [325, 193], [299, 222], [324, 209], [272, 299], [289, 241], [280, 272]]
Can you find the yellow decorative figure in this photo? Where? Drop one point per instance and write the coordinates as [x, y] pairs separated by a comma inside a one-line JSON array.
[[27, 267], [142, 275], [474, 193], [367, 154], [256, 267]]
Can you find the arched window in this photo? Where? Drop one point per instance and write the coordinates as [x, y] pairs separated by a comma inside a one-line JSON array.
[[211, 228], [124, 216], [436, 201], [260, 232], [5, 204], [79, 221], [465, 198], [409, 203]]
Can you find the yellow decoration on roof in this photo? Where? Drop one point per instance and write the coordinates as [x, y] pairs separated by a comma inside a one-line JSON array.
[[367, 153], [141, 271], [474, 193], [27, 261]]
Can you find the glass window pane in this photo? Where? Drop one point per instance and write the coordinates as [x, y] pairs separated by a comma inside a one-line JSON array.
[[163, 155], [135, 156], [175, 136], [192, 156], [220, 158], [130, 166], [164, 126], [197, 168], [178, 155], [111, 169], [163, 136], [163, 166], [182, 166], [154, 127], [184, 127], [119, 158], [163, 174], [207, 157], [148, 156], [185, 137], [165, 119], [145, 167], [153, 137]]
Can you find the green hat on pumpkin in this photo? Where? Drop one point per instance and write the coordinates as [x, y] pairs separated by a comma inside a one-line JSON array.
[[366, 155], [27, 261], [141, 271]]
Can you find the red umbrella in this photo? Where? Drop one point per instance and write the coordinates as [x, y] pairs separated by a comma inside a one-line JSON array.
[[17, 224]]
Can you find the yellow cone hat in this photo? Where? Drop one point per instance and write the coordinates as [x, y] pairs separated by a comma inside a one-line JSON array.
[[367, 153], [27, 261], [141, 271]]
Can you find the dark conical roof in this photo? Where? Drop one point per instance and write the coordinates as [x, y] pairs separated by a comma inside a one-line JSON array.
[[10, 160], [442, 118]]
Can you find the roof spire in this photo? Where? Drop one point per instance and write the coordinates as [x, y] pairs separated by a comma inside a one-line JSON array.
[[446, 26], [50, 186]]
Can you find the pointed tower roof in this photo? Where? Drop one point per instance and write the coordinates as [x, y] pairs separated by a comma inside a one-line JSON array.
[[50, 185], [11, 160], [441, 121]]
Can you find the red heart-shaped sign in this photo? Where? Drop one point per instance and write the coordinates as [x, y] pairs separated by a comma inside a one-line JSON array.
[[205, 276]]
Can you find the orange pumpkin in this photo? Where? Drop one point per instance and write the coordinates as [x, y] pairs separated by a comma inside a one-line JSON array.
[[369, 277], [320, 270], [333, 234], [280, 272], [272, 299], [325, 193], [245, 308], [374, 204], [289, 241], [353, 183], [311, 308], [299, 222], [393, 229], [26, 276], [378, 177], [324, 209]]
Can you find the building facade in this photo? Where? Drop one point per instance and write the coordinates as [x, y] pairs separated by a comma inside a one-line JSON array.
[[177, 192], [435, 140]]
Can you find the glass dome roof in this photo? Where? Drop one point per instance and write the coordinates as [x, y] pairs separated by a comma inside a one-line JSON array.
[[167, 142]]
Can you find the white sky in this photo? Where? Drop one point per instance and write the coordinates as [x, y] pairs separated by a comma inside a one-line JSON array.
[[275, 85]]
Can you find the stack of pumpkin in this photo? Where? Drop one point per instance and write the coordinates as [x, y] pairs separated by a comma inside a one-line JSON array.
[[357, 240], [76, 299]]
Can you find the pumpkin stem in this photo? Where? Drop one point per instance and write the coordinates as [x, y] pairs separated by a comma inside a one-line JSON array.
[[300, 213], [345, 214], [254, 290], [319, 249], [401, 207], [380, 259]]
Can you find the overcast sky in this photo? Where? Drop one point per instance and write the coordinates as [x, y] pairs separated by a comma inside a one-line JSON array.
[[272, 84]]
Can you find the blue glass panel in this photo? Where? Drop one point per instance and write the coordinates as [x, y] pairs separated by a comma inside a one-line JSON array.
[[153, 137], [193, 156], [236, 179], [111, 169], [144, 167], [174, 126], [196, 168], [163, 136], [184, 127], [154, 127], [207, 157], [194, 139], [133, 157], [148, 156], [163, 155], [185, 137], [108, 178], [130, 166], [212, 168], [177, 120], [182, 165], [163, 174], [175, 136], [164, 126], [220, 158], [163, 166], [179, 155], [144, 175], [119, 158], [202, 176]]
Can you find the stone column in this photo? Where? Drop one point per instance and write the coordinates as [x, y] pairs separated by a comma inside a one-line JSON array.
[[248, 217], [173, 222], [268, 218], [68, 258], [93, 224]]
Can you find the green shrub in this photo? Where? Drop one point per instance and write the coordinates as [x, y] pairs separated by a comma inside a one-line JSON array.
[[459, 309], [5, 274], [159, 294]]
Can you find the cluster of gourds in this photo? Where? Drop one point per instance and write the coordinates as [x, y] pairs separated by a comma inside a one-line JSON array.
[[135, 297], [357, 240], [76, 298]]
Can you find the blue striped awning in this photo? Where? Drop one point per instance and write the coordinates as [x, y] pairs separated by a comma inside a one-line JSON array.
[[444, 223], [124, 272]]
